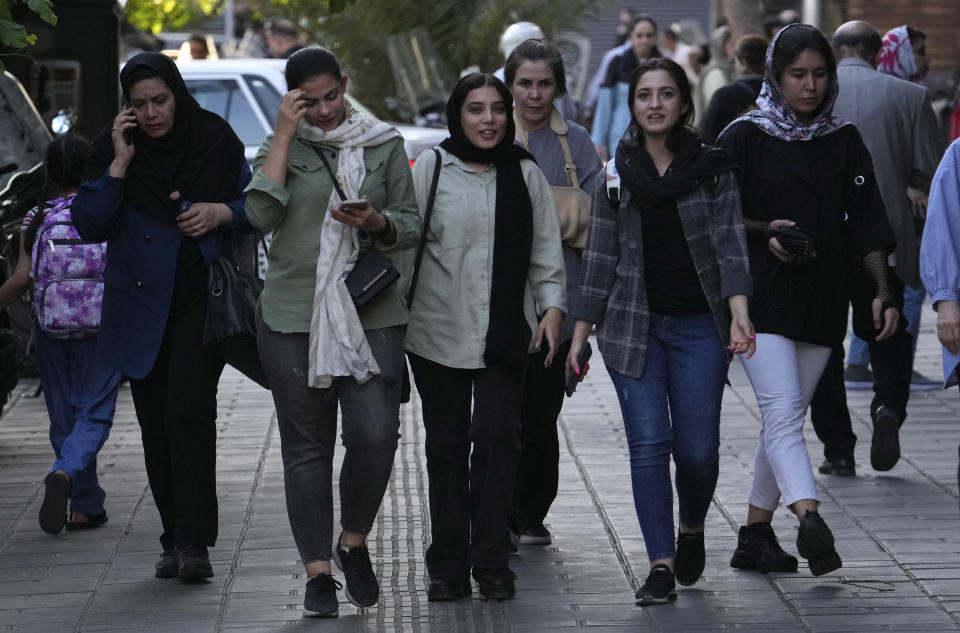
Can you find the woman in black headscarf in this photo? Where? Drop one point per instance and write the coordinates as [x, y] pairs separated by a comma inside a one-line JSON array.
[[164, 180], [492, 265]]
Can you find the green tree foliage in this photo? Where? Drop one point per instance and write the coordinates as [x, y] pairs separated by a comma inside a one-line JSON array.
[[465, 32], [169, 15], [13, 37]]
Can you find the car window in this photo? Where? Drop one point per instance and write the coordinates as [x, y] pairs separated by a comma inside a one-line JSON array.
[[266, 95], [225, 97]]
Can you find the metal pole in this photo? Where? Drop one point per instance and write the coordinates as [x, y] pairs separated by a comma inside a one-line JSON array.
[[228, 22], [811, 12]]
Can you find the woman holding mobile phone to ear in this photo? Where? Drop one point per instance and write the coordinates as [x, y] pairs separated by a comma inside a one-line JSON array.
[[163, 181], [331, 183], [665, 278]]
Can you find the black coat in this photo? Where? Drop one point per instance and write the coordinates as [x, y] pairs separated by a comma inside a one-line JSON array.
[[826, 185], [727, 104]]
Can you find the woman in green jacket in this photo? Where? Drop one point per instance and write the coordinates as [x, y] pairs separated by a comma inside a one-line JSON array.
[[318, 349]]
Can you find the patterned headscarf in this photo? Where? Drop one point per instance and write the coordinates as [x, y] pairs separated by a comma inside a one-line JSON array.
[[897, 57], [777, 118]]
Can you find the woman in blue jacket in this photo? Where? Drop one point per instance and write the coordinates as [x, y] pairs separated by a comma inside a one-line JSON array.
[[162, 184]]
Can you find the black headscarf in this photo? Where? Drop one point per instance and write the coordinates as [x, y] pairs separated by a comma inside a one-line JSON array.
[[693, 163], [200, 156], [508, 335]]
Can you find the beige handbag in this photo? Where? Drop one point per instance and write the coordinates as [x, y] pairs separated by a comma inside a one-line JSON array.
[[572, 202]]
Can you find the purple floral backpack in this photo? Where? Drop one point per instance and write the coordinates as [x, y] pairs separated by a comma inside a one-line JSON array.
[[67, 275]]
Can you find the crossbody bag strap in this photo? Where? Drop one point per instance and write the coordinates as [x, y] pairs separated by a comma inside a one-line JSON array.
[[333, 176], [426, 227], [569, 166]]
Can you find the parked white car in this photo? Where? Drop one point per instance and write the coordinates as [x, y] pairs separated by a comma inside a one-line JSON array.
[[247, 93]]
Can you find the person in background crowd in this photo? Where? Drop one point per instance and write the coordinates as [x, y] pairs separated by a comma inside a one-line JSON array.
[[904, 55], [612, 115], [679, 51], [899, 128], [510, 39], [800, 165], [198, 46], [283, 39], [622, 32], [535, 74], [492, 266], [79, 391], [774, 24], [162, 183], [940, 261], [319, 350], [718, 72], [731, 101], [666, 280]]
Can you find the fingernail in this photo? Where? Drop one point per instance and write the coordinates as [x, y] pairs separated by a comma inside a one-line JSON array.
[[753, 338], [576, 371]]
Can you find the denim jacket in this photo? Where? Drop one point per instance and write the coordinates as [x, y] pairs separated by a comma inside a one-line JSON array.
[[611, 288]]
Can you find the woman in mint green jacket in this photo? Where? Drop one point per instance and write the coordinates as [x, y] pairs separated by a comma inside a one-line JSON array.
[[318, 349]]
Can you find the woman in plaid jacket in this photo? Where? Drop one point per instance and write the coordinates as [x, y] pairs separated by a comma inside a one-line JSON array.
[[665, 277]]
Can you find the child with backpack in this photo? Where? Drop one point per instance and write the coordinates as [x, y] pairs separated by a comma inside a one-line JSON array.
[[66, 277]]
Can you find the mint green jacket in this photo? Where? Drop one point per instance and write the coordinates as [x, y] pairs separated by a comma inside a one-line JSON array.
[[294, 212]]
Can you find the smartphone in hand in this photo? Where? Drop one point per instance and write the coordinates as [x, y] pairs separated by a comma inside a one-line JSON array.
[[573, 378], [354, 202]]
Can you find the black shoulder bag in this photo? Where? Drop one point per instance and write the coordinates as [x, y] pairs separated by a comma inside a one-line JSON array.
[[373, 271]]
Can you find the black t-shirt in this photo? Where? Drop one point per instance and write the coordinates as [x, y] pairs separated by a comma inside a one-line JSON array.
[[670, 276]]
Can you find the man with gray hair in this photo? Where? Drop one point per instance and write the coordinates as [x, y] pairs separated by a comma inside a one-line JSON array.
[[899, 128]]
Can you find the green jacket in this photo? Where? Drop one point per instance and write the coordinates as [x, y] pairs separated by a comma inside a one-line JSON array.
[[294, 212]]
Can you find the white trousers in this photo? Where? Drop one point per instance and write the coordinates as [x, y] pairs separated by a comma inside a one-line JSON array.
[[784, 374]]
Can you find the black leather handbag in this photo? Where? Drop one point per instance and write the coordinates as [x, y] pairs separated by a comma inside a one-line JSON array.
[[233, 289], [373, 271]]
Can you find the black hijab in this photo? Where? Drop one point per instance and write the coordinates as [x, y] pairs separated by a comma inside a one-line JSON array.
[[508, 335], [200, 156], [693, 163]]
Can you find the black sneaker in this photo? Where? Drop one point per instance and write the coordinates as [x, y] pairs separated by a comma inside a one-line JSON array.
[[536, 535], [362, 590], [53, 512], [843, 467], [495, 584], [447, 589], [193, 562], [885, 446], [688, 565], [815, 543], [167, 566], [857, 377], [758, 549], [658, 588], [320, 597]]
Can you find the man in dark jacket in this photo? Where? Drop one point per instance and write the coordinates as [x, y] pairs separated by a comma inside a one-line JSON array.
[[899, 128], [731, 101]]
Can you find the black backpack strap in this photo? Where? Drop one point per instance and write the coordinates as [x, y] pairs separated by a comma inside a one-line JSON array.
[[426, 227]]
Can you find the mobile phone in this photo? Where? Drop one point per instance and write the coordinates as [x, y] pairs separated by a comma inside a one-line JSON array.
[[573, 378], [128, 136], [355, 202]]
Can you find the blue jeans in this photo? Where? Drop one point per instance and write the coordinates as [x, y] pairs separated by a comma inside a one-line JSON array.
[[81, 396], [674, 408], [912, 308]]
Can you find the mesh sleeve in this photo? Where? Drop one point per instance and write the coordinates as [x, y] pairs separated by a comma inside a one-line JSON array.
[[875, 265], [757, 228]]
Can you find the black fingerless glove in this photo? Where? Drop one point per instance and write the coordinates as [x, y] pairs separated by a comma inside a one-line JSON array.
[[876, 267]]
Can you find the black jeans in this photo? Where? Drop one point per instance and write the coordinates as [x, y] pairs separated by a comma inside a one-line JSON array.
[[471, 493], [307, 418], [892, 362], [539, 469], [176, 406]]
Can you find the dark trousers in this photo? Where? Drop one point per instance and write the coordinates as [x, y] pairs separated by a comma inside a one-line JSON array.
[[471, 493], [539, 467], [892, 363], [176, 406]]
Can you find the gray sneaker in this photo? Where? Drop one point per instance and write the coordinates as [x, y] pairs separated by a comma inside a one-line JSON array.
[[858, 377]]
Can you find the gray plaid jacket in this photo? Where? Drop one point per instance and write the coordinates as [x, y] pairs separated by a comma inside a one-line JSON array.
[[611, 288]]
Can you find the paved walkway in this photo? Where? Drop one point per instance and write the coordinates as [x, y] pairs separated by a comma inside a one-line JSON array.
[[897, 533]]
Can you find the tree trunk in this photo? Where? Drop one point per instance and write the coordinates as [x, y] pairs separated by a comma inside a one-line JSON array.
[[743, 16]]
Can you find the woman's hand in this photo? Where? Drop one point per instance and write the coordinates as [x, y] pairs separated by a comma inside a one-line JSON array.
[[549, 328], [122, 150], [889, 320], [292, 108], [774, 244], [362, 217], [202, 217], [581, 331], [743, 339], [948, 325]]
